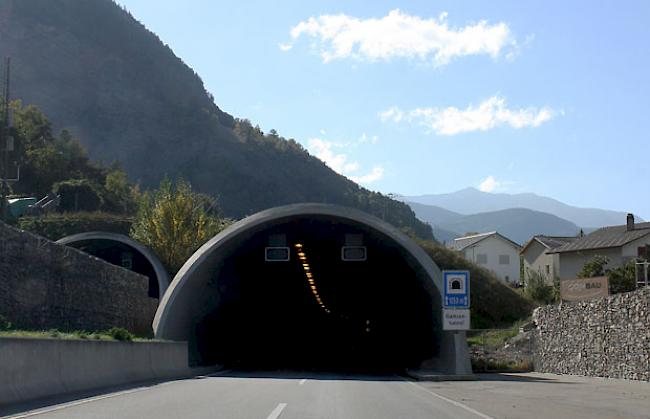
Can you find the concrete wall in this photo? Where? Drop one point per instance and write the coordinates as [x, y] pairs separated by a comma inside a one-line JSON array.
[[44, 285], [493, 247], [608, 337], [37, 368]]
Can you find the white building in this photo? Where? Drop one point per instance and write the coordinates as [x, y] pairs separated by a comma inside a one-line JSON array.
[[619, 244], [492, 251], [536, 256]]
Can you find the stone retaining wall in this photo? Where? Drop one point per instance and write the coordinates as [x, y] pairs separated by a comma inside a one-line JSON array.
[[44, 285], [608, 337]]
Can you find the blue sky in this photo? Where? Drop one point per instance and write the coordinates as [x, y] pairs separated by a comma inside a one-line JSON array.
[[417, 97]]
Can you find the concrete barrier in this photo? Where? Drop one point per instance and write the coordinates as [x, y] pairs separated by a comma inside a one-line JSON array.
[[36, 368]]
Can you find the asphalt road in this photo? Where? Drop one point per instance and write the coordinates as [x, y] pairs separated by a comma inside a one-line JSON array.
[[305, 396]]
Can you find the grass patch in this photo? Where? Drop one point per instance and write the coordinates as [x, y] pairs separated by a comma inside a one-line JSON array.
[[494, 337], [493, 365], [113, 334]]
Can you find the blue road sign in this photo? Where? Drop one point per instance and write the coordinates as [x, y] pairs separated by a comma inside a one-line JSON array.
[[456, 288]]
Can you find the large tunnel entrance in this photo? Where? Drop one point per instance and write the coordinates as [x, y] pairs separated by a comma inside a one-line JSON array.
[[310, 287], [317, 310]]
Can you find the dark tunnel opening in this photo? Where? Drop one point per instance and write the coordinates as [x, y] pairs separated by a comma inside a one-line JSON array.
[[123, 255], [316, 310]]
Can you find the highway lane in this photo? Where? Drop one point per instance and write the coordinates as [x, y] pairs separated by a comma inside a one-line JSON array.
[[262, 396], [296, 395]]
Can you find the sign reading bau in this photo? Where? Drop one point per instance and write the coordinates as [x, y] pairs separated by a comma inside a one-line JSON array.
[[455, 313]]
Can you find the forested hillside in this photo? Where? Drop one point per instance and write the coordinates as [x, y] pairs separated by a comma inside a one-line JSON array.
[[99, 73]]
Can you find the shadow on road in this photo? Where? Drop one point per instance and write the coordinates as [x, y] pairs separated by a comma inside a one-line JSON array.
[[519, 377], [323, 375]]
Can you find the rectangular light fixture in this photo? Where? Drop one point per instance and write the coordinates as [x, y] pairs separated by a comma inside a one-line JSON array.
[[354, 253], [276, 254]]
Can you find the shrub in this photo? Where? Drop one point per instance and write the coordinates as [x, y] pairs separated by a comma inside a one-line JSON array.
[[78, 195], [56, 226], [121, 334], [4, 323], [623, 278], [595, 267], [538, 289]]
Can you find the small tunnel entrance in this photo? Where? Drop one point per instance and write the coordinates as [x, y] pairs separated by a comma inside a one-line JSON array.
[[123, 255], [317, 310]]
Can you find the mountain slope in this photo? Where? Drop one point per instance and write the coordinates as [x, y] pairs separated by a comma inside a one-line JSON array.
[[518, 224], [93, 69], [472, 201]]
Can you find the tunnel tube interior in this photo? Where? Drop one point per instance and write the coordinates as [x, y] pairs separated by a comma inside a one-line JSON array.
[[317, 310]]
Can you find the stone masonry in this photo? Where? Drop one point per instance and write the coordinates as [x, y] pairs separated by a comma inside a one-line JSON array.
[[44, 285], [607, 337]]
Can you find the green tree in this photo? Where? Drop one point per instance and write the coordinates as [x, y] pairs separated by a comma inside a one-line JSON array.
[[174, 222], [120, 195]]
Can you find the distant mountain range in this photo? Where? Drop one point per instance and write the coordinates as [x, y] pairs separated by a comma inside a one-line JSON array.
[[472, 201], [518, 224]]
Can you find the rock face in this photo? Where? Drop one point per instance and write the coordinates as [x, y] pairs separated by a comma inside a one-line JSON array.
[[44, 285], [608, 337]]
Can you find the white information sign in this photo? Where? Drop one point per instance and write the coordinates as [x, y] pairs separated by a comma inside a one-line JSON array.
[[455, 319]]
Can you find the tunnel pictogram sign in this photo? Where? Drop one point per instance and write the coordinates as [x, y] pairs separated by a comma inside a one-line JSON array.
[[456, 289]]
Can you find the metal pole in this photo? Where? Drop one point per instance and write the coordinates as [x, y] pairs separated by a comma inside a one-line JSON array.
[[5, 142]]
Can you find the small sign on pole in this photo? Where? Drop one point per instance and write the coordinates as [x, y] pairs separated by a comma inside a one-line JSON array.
[[455, 319], [456, 302]]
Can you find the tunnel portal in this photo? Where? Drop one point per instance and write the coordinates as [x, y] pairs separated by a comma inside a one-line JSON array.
[[309, 287], [123, 251]]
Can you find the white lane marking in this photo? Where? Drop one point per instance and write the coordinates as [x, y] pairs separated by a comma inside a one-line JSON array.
[[454, 402], [302, 381], [77, 403], [276, 412], [91, 399]]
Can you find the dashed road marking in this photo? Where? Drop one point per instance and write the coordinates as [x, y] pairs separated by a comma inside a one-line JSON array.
[[277, 411]]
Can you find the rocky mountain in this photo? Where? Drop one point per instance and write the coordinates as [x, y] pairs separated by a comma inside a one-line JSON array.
[[518, 224], [472, 201], [98, 72]]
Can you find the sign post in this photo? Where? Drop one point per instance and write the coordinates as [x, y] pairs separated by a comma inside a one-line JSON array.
[[456, 302]]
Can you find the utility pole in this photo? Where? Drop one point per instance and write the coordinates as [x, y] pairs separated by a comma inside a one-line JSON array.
[[4, 141]]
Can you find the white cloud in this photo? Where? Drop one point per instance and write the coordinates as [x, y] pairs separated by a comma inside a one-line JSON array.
[[392, 114], [376, 174], [340, 162], [285, 47], [401, 35], [489, 184], [489, 114]]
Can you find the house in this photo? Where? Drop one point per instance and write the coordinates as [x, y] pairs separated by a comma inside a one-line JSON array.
[[619, 244], [492, 251], [536, 256]]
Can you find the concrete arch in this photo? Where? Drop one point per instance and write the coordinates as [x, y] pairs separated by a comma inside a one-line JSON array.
[[173, 318], [161, 273]]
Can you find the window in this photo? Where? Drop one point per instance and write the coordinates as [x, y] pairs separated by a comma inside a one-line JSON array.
[[548, 269], [481, 259], [504, 259]]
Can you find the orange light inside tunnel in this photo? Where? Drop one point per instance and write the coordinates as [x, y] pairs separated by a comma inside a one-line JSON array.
[[310, 279]]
